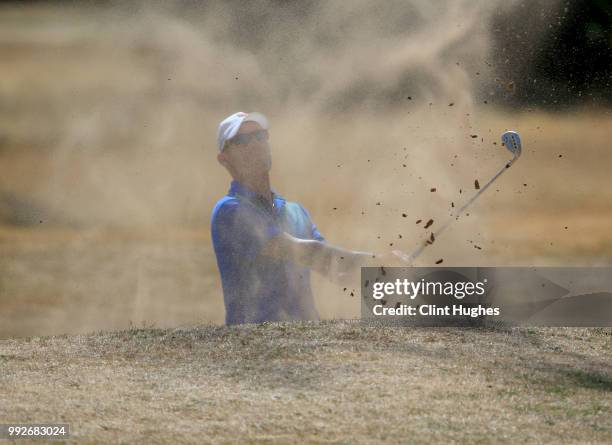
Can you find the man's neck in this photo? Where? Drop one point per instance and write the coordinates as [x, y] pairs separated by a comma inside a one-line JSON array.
[[259, 184]]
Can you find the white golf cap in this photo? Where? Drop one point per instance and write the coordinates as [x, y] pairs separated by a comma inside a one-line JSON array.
[[231, 124]]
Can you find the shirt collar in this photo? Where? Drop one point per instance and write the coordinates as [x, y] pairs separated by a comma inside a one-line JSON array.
[[236, 188]]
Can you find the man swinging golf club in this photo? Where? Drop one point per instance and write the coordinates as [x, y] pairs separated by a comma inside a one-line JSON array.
[[266, 246]]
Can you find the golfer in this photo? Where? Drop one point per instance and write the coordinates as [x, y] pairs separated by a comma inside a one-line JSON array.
[[265, 245]]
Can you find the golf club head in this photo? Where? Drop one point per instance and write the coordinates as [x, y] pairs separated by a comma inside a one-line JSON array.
[[512, 141]]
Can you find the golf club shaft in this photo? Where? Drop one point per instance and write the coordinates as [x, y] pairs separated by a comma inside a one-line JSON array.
[[456, 215]]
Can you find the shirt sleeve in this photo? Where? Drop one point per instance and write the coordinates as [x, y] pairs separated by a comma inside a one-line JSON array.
[[314, 232], [316, 235]]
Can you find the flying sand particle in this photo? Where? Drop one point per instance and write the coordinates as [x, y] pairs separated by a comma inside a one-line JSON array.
[[431, 239]]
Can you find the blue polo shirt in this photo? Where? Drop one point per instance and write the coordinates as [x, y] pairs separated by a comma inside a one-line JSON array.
[[258, 288]]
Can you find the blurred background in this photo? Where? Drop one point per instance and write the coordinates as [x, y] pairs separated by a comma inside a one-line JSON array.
[[108, 116]]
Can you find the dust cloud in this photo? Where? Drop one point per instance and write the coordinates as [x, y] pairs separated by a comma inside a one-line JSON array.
[[372, 105], [135, 94]]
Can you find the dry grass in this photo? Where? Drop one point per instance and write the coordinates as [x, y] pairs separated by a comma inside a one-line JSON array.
[[118, 128], [330, 382]]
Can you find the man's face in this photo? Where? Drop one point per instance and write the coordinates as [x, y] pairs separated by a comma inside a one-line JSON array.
[[248, 158]]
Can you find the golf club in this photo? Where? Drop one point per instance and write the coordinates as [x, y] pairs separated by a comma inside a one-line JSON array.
[[512, 141]]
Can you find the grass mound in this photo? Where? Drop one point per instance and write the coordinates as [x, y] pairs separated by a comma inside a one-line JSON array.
[[332, 382]]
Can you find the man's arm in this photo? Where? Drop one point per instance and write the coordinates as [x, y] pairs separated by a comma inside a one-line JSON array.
[[332, 261]]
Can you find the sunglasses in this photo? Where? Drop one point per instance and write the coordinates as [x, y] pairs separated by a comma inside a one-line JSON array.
[[245, 138]]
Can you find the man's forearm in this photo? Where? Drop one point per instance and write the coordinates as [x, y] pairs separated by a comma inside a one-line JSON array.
[[322, 257]]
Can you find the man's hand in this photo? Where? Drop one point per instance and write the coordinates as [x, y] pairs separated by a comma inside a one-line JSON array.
[[394, 258]]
